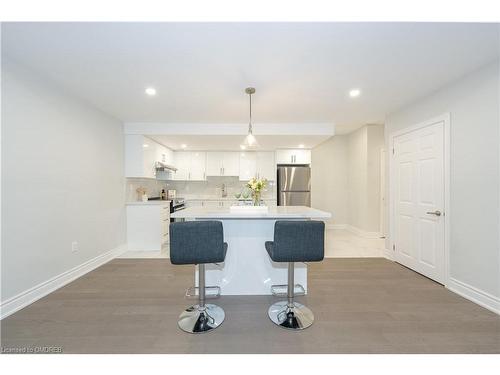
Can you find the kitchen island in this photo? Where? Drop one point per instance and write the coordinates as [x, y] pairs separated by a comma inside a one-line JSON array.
[[248, 270]]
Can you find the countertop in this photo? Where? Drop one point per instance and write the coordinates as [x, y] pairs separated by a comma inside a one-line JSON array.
[[281, 212], [148, 203]]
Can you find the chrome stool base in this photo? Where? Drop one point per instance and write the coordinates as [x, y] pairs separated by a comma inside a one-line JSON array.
[[196, 320], [296, 318]]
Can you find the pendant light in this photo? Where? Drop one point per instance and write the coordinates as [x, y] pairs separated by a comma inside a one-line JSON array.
[[250, 140]]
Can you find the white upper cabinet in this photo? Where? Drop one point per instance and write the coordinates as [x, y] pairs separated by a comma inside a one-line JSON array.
[[190, 165], [257, 164], [141, 154], [197, 170], [299, 156], [165, 155], [223, 164], [248, 165], [266, 168], [182, 161], [214, 163]]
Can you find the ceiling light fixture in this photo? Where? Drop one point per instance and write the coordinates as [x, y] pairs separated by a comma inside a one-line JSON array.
[[301, 146], [243, 147], [183, 145], [250, 140], [354, 93], [151, 91]]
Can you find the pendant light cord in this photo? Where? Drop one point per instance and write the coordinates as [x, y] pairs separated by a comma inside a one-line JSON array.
[[250, 123]]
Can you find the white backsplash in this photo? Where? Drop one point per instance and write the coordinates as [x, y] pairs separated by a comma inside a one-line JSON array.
[[153, 187], [211, 188]]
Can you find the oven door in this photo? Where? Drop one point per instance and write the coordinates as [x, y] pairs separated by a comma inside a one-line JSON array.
[[175, 209]]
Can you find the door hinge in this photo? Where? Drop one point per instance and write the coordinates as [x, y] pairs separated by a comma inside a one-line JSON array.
[[393, 247]]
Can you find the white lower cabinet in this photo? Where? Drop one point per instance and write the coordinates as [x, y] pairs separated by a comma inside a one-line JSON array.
[[148, 226]]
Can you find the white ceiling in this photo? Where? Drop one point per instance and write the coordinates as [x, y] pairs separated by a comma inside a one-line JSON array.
[[232, 142], [302, 71]]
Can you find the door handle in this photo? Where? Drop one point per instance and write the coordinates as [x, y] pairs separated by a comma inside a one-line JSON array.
[[437, 213]]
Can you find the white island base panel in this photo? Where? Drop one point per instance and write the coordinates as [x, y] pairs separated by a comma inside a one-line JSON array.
[[248, 269]]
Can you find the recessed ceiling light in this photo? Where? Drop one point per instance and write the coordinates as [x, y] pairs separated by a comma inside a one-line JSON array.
[[354, 93], [145, 145], [301, 146], [183, 145], [243, 147], [151, 91]]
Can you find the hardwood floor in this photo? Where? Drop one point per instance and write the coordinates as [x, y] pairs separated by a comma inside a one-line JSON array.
[[367, 305]]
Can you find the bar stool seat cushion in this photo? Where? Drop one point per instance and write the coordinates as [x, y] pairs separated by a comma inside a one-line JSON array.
[[197, 242], [297, 241]]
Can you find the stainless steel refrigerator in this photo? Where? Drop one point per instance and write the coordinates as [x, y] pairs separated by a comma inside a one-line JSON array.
[[294, 186]]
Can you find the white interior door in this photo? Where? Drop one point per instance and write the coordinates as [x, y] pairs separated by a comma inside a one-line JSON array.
[[419, 188]]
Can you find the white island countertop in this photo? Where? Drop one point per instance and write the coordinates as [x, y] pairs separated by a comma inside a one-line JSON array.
[[280, 212]]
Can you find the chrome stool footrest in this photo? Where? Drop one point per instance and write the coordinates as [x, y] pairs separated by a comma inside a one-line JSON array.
[[282, 290], [210, 292]]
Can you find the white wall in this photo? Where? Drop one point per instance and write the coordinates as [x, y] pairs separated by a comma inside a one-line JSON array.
[[375, 143], [346, 178], [62, 181], [329, 189], [363, 149], [357, 177], [473, 104]]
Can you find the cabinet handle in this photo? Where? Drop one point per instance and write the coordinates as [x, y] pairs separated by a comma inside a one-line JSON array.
[[223, 171], [189, 175], [204, 176]]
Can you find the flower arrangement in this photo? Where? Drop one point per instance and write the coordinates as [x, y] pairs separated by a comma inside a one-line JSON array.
[[256, 186]]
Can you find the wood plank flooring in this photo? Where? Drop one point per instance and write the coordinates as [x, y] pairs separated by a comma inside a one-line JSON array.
[[365, 305]]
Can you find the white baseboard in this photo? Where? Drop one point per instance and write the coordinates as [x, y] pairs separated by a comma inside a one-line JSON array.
[[355, 230], [389, 254], [475, 295], [362, 233], [336, 226], [31, 295]]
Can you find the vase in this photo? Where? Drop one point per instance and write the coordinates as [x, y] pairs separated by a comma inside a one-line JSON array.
[[256, 198]]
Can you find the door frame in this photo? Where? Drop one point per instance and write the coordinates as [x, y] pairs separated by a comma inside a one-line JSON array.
[[445, 118], [383, 197]]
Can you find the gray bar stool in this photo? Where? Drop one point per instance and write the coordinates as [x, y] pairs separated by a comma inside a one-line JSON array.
[[198, 242], [295, 241]]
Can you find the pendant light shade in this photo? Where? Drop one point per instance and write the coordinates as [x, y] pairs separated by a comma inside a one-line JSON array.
[[250, 142]]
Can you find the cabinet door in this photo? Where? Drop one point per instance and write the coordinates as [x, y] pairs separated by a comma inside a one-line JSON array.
[[231, 164], [150, 154], [197, 166], [284, 156], [248, 165], [194, 203], [214, 163], [229, 203], [182, 163], [211, 204], [302, 156], [265, 165]]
